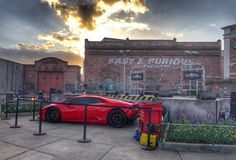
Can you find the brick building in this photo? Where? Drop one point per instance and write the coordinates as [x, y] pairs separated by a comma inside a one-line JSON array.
[[149, 65], [51, 73]]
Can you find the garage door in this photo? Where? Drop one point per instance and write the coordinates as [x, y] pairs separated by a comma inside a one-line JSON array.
[[47, 80]]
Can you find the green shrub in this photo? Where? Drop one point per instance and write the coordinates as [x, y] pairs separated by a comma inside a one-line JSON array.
[[23, 107], [223, 133]]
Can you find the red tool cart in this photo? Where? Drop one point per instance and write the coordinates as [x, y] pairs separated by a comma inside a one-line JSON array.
[[155, 123]]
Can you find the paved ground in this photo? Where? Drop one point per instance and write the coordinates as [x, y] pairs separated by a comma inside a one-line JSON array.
[[60, 143]]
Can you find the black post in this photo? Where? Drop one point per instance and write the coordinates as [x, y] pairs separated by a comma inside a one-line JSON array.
[[216, 112], [40, 133], [84, 139], [148, 147], [149, 126], [16, 117], [6, 112], [34, 108]]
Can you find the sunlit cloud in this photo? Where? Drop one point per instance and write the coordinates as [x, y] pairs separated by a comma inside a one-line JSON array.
[[94, 19], [212, 25], [27, 54], [44, 46], [65, 39], [173, 35], [88, 14]]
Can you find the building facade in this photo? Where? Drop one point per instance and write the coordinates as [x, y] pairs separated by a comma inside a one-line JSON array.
[[229, 52], [149, 65], [51, 74], [11, 79]]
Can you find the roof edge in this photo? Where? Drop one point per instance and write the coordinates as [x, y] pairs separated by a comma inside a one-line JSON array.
[[229, 26]]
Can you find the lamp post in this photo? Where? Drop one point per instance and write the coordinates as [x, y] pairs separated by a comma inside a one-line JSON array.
[[192, 54], [124, 72], [124, 67]]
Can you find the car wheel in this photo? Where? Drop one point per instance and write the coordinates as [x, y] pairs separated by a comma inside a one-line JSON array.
[[53, 115], [117, 118]]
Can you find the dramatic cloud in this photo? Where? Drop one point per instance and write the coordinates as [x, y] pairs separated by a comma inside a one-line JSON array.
[[64, 24], [94, 19], [88, 14], [71, 43], [44, 46], [28, 56], [173, 35]]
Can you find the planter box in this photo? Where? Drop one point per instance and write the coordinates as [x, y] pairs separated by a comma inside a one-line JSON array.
[[216, 148]]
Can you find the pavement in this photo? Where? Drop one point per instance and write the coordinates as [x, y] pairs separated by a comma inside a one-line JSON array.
[[60, 143]]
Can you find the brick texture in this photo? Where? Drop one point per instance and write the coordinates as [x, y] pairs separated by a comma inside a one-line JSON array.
[[160, 61]]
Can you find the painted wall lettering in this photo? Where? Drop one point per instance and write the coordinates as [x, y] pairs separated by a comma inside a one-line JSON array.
[[152, 62]]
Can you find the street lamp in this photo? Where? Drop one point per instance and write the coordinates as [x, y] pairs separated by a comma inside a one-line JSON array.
[[124, 67], [192, 54]]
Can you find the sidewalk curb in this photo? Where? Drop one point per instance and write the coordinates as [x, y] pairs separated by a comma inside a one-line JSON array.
[[216, 148]]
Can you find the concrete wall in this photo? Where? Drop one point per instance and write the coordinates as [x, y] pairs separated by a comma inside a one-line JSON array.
[[11, 77], [195, 110]]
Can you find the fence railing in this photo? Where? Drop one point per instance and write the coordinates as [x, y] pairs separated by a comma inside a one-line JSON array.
[[164, 128]]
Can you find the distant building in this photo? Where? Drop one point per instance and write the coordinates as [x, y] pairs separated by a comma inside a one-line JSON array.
[[51, 74], [230, 52], [227, 83], [148, 65], [11, 76]]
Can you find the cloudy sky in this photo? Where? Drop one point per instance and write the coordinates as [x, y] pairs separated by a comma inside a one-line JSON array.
[[52, 25]]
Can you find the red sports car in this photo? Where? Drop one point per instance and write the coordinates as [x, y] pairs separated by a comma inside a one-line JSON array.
[[109, 112]]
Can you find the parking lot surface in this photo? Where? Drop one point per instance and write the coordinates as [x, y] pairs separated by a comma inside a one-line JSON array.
[[60, 143]]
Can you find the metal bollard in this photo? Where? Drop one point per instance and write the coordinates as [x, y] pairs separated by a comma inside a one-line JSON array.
[[34, 108], [84, 139], [6, 113], [216, 112], [148, 147], [16, 116], [40, 133]]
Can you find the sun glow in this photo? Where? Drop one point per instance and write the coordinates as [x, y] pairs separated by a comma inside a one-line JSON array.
[[94, 19]]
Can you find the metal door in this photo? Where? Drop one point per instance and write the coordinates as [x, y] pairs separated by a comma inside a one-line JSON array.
[[47, 80]]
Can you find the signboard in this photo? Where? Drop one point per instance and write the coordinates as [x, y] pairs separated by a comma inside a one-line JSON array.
[[137, 76], [192, 75], [50, 61], [9, 97], [234, 46]]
